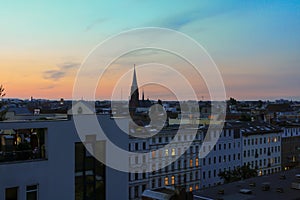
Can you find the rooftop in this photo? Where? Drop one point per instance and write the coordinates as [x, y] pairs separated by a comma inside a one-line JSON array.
[[280, 188]]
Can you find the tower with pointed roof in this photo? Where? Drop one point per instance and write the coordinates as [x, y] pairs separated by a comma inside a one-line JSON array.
[[134, 94]]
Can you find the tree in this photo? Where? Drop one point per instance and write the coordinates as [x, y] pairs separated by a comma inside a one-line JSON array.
[[232, 101], [2, 91], [237, 174], [2, 111]]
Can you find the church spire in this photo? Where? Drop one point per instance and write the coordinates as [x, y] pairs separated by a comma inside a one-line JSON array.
[[134, 85], [134, 95]]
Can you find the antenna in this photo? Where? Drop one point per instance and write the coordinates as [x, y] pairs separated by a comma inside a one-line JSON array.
[[121, 94]]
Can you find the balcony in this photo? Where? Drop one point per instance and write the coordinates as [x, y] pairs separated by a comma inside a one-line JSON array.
[[22, 145]]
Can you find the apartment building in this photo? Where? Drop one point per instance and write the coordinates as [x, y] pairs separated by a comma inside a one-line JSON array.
[[47, 160], [183, 172], [261, 147], [224, 155], [290, 143]]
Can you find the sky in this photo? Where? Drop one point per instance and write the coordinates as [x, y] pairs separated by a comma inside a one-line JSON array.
[[255, 44]]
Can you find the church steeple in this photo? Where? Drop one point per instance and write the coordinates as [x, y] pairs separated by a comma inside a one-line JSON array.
[[134, 85], [134, 94]]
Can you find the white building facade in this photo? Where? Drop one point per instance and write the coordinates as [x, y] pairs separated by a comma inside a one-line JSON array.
[[58, 167]]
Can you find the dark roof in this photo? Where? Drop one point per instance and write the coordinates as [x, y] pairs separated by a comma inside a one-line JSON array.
[[279, 108], [231, 190], [20, 111]]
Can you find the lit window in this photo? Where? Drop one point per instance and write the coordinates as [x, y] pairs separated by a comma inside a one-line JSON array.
[[275, 139], [191, 162], [197, 187], [167, 152], [153, 154], [197, 162], [32, 192], [173, 152], [166, 181], [191, 189], [173, 180]]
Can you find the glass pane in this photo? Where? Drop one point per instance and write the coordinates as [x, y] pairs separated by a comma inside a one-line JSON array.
[[11, 193], [31, 195]]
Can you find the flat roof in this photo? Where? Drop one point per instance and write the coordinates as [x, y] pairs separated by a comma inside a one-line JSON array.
[[232, 190]]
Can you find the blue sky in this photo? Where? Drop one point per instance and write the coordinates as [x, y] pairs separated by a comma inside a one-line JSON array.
[[256, 44]]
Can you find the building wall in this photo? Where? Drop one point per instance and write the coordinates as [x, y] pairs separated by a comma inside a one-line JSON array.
[[183, 172], [262, 151], [290, 147], [55, 176], [224, 156]]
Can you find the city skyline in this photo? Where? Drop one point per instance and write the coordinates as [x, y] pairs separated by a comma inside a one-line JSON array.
[[255, 44]]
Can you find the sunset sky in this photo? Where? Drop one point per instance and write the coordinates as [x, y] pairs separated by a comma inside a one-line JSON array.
[[255, 44]]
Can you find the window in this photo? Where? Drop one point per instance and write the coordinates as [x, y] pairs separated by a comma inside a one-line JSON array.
[[166, 181], [153, 154], [191, 162], [159, 182], [86, 186], [173, 180], [136, 191], [173, 152], [22, 144], [136, 146], [11, 193], [167, 152], [197, 162], [32, 192]]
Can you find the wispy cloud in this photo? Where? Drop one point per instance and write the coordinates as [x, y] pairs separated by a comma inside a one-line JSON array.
[[94, 23], [47, 87], [61, 72], [179, 20]]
